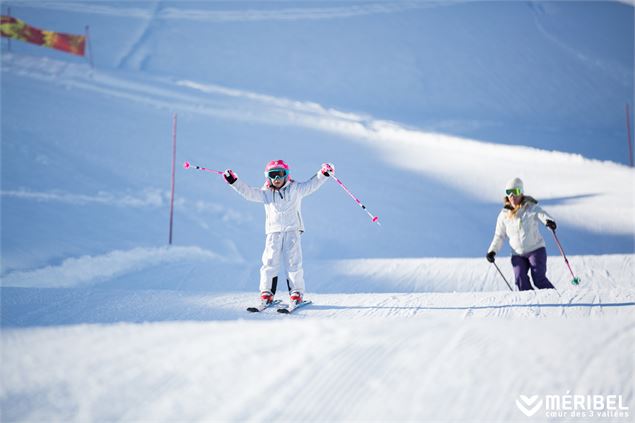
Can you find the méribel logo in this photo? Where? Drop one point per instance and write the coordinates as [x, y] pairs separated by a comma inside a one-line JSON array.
[[529, 405]]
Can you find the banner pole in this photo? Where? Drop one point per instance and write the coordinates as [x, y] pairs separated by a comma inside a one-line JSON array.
[[90, 48], [9, 38], [628, 134], [173, 175]]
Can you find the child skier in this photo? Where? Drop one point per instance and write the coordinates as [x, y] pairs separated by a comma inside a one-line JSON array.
[[518, 221], [282, 198]]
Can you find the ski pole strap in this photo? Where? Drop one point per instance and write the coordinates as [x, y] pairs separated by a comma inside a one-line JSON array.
[[372, 217], [188, 165]]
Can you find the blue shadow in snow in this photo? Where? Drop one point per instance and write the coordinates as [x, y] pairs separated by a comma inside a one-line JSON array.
[[481, 307], [36, 307]]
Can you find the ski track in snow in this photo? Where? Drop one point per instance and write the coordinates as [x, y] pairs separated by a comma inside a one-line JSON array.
[[129, 58]]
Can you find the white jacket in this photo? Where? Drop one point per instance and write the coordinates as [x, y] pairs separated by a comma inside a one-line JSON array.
[[283, 206], [522, 230]]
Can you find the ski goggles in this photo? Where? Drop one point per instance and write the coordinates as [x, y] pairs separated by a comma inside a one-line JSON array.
[[513, 191], [275, 174]]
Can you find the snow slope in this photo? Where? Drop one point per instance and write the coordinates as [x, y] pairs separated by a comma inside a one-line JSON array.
[[426, 108], [551, 74], [442, 179]]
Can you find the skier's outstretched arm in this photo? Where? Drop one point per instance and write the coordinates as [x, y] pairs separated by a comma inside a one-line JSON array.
[[309, 187], [249, 193]]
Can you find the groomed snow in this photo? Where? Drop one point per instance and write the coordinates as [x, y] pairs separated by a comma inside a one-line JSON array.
[[425, 368]]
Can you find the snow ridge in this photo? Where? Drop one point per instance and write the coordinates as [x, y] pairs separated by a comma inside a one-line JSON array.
[[88, 270]]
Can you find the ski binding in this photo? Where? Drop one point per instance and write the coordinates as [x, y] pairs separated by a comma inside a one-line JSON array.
[[287, 309], [263, 306]]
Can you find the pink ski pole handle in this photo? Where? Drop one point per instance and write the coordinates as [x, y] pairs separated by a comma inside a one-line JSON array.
[[372, 217], [188, 165]]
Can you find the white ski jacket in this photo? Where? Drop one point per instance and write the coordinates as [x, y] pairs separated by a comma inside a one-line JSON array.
[[522, 230], [283, 206]]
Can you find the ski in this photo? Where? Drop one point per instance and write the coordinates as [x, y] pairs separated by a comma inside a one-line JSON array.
[[287, 309], [263, 306]]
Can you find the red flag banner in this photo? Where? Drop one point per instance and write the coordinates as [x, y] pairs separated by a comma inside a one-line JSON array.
[[20, 30]]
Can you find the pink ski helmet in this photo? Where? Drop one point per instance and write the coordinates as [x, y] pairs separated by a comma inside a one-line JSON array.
[[276, 165]]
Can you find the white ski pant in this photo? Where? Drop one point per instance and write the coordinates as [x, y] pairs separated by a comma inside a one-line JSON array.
[[281, 246]]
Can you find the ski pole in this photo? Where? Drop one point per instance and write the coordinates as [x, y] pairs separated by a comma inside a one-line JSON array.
[[372, 217], [188, 165], [502, 276], [575, 280]]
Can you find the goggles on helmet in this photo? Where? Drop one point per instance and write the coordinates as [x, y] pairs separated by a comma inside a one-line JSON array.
[[513, 191], [275, 174]]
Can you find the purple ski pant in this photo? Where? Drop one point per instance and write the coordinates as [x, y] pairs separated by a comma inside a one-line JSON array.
[[536, 261]]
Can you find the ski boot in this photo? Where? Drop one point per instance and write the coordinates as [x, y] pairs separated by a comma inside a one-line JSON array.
[[266, 297], [295, 297]]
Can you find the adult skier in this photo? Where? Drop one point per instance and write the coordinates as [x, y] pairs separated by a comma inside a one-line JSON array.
[[282, 198], [518, 222]]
